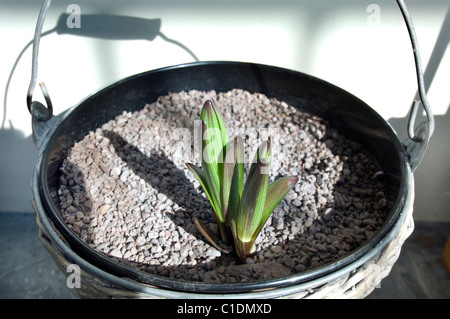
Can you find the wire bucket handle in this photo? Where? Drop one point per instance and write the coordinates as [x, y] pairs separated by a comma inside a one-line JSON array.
[[415, 145]]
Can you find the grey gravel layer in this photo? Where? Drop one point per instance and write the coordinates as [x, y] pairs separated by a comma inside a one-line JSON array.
[[125, 189]]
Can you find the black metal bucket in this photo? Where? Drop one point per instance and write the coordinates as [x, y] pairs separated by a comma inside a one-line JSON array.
[[349, 115]]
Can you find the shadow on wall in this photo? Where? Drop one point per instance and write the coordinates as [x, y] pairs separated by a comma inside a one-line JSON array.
[[102, 26], [18, 152]]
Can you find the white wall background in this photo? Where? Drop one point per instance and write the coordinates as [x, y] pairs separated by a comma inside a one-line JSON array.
[[344, 42]]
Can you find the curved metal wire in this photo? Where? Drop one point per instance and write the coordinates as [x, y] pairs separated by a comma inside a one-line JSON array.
[[420, 80], [34, 66]]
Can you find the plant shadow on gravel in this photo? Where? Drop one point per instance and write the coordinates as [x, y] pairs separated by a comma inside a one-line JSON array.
[[172, 181], [174, 186]]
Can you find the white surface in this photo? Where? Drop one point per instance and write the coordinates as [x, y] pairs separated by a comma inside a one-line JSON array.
[[344, 42]]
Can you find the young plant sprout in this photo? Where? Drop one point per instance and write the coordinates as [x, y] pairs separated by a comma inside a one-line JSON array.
[[240, 209]]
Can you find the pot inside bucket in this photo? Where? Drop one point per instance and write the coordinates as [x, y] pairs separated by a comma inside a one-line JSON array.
[[348, 140]]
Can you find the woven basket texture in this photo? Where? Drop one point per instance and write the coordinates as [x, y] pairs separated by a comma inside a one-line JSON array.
[[355, 284]]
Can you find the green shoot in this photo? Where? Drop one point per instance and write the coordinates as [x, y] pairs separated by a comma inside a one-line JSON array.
[[240, 209]]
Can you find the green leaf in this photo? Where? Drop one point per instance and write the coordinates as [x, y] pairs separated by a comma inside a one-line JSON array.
[[212, 238], [263, 154], [214, 119], [201, 177], [212, 149], [243, 249], [212, 176], [233, 178], [215, 135], [275, 193], [252, 202]]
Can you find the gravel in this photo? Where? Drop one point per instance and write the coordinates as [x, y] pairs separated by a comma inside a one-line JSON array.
[[125, 189]]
